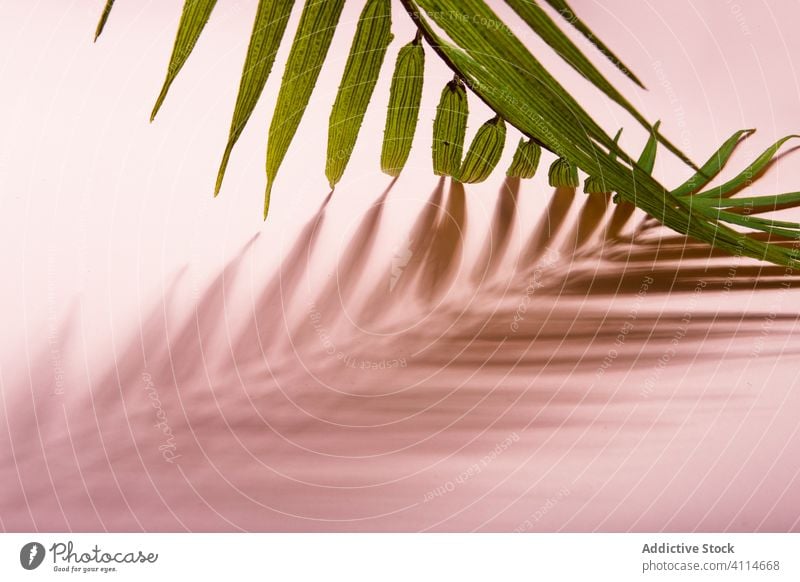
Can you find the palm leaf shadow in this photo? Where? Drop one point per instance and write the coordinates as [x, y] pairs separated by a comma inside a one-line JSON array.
[[251, 431]]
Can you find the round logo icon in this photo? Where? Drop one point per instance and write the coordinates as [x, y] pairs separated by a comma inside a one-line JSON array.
[[31, 555]]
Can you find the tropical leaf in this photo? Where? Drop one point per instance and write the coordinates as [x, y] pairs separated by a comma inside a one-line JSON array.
[[562, 174], [715, 201], [752, 203], [265, 40], [449, 129], [489, 59], [596, 184], [101, 24], [569, 15], [544, 26], [193, 19], [526, 160], [713, 166], [529, 99], [484, 152], [503, 73], [306, 57], [373, 36], [749, 174], [774, 227], [403, 111], [647, 159], [497, 42]]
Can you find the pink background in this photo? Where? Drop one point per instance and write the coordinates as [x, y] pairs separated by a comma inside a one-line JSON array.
[[125, 281]]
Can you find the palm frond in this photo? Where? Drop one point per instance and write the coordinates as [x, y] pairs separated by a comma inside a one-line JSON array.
[[265, 40], [525, 160], [596, 184], [372, 38], [306, 57], [484, 152], [749, 174], [531, 103], [194, 17], [402, 114], [449, 129], [563, 174], [101, 24], [495, 65], [713, 166], [569, 15], [544, 26], [647, 159]]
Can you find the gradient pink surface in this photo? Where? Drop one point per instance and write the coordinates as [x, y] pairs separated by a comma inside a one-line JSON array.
[[420, 357]]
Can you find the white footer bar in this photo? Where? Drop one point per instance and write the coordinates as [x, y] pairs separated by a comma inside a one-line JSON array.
[[401, 557]]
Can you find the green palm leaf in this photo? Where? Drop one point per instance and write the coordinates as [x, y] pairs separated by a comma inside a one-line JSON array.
[[101, 24], [526, 160], [497, 47], [567, 13], [544, 26], [306, 57], [596, 184], [563, 174], [529, 99], [403, 111], [489, 59], [193, 19], [750, 173], [713, 166], [752, 203], [265, 40], [775, 227], [449, 129], [373, 36], [647, 159], [484, 152]]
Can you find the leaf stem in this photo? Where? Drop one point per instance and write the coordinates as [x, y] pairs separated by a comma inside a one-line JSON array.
[[425, 32]]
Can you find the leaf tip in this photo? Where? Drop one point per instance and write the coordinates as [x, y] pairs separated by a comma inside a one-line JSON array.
[[267, 195], [393, 172], [161, 96], [222, 167], [332, 180]]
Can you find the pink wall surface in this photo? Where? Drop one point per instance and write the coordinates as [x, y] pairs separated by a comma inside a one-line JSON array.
[[406, 356]]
